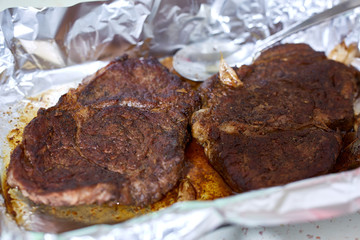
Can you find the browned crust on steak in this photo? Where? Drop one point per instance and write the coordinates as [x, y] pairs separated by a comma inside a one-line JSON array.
[[119, 137], [253, 162], [283, 124]]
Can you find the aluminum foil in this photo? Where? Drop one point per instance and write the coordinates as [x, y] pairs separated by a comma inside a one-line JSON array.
[[55, 48]]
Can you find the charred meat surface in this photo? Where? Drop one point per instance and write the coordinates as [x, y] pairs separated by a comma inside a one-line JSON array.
[[283, 124], [119, 137]]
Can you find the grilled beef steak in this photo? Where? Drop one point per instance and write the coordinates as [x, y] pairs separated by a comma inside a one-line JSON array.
[[283, 124], [119, 137]]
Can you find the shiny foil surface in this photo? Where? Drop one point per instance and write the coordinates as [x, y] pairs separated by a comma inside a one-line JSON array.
[[44, 49]]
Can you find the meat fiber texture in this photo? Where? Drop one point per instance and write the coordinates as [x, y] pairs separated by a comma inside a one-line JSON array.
[[119, 137], [284, 124]]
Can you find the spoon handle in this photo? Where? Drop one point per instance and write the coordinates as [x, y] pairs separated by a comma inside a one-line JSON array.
[[313, 20]]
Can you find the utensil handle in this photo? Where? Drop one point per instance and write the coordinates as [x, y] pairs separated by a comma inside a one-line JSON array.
[[313, 20]]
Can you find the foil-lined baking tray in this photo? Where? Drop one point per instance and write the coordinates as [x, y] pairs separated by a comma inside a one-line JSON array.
[[55, 48]]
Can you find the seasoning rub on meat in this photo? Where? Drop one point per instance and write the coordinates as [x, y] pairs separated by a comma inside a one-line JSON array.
[[119, 137], [282, 124]]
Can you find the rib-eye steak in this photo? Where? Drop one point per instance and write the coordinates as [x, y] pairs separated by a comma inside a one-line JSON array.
[[119, 137], [283, 124]]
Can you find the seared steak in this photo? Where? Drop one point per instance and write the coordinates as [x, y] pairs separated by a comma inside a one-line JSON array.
[[119, 137], [283, 124]]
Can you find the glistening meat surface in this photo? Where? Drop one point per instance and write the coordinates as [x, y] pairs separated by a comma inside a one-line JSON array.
[[284, 124], [119, 137]]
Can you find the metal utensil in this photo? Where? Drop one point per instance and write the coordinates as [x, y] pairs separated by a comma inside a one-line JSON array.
[[200, 60]]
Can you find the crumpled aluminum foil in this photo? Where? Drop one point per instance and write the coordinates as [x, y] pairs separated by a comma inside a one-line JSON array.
[[42, 49]]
